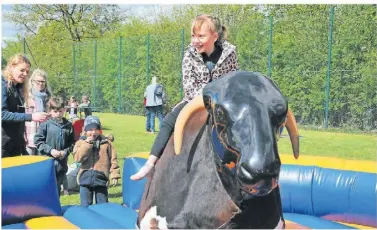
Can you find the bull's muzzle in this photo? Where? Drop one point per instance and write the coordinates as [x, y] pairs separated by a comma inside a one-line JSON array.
[[256, 183]]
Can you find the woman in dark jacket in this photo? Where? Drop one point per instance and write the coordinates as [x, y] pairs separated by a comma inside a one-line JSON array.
[[13, 116]]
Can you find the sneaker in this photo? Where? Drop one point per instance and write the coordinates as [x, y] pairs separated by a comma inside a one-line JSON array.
[[142, 172]]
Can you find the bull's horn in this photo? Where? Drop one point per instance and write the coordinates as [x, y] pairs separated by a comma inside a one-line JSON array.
[[293, 132], [195, 105]]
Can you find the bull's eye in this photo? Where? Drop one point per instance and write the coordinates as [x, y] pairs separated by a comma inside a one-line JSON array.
[[279, 119], [207, 102], [220, 115]]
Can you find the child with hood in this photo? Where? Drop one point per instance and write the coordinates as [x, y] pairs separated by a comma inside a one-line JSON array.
[[99, 164]]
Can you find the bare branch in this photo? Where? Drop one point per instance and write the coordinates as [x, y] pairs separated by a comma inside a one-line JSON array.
[[29, 29], [79, 20]]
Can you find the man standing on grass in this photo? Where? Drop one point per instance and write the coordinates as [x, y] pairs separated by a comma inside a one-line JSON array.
[[155, 98]]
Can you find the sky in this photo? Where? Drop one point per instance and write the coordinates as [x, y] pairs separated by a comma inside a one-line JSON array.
[[8, 30]]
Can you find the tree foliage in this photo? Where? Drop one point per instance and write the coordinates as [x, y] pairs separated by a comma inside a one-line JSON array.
[[116, 67], [79, 21]]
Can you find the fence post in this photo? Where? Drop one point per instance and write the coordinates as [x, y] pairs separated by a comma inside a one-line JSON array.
[[120, 75], [74, 67], [95, 74], [148, 58], [24, 45], [327, 96], [182, 53], [270, 49]]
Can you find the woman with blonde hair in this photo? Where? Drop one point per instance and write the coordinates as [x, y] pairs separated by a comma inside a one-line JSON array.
[[13, 97], [38, 95]]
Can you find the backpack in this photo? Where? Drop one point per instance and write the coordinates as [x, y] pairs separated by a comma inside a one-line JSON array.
[[158, 90]]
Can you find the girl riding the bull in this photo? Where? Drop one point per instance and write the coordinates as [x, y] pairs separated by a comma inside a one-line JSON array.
[[208, 57]]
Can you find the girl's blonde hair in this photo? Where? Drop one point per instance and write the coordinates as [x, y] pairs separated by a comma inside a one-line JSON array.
[[42, 73], [7, 73], [213, 23]]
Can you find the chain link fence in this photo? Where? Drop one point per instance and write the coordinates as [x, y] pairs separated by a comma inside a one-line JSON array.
[[322, 59]]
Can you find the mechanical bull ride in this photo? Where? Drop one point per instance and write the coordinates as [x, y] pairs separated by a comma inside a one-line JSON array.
[[221, 168]]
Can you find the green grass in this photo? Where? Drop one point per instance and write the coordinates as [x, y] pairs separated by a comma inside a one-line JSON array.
[[130, 137], [340, 145]]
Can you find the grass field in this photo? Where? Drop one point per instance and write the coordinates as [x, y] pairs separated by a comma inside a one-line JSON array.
[[130, 137]]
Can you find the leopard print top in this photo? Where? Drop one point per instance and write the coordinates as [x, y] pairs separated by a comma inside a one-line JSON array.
[[195, 74]]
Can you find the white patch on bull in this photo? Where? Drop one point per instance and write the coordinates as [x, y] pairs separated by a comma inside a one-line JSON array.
[[151, 214], [280, 224]]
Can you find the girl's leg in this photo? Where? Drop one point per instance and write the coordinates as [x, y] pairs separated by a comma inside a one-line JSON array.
[[160, 142], [147, 167]]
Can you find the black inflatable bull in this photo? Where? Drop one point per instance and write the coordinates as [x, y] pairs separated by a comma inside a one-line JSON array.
[[221, 168]]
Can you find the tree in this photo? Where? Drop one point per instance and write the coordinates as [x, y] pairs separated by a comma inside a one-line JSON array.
[[80, 21], [117, 67], [3, 62]]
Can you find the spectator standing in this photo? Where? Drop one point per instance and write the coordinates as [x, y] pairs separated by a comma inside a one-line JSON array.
[[155, 95], [13, 115], [55, 138], [85, 104], [39, 94], [99, 164], [73, 108]]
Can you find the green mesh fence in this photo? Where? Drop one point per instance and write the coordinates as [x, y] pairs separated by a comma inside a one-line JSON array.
[[296, 56], [299, 62], [134, 74], [165, 63], [353, 84], [252, 40], [323, 62]]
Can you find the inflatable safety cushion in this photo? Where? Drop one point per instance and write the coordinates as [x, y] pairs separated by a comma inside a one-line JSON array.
[[296, 188], [29, 191], [85, 218], [330, 191], [314, 222], [124, 216], [132, 190]]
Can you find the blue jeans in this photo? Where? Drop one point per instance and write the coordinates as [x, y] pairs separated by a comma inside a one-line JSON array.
[[148, 123], [99, 192], [152, 112], [60, 180]]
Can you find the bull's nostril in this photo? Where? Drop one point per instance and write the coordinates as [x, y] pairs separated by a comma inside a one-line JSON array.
[[245, 175], [244, 172]]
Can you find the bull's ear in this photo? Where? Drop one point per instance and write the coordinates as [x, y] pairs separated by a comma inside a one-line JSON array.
[[291, 126], [193, 106]]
